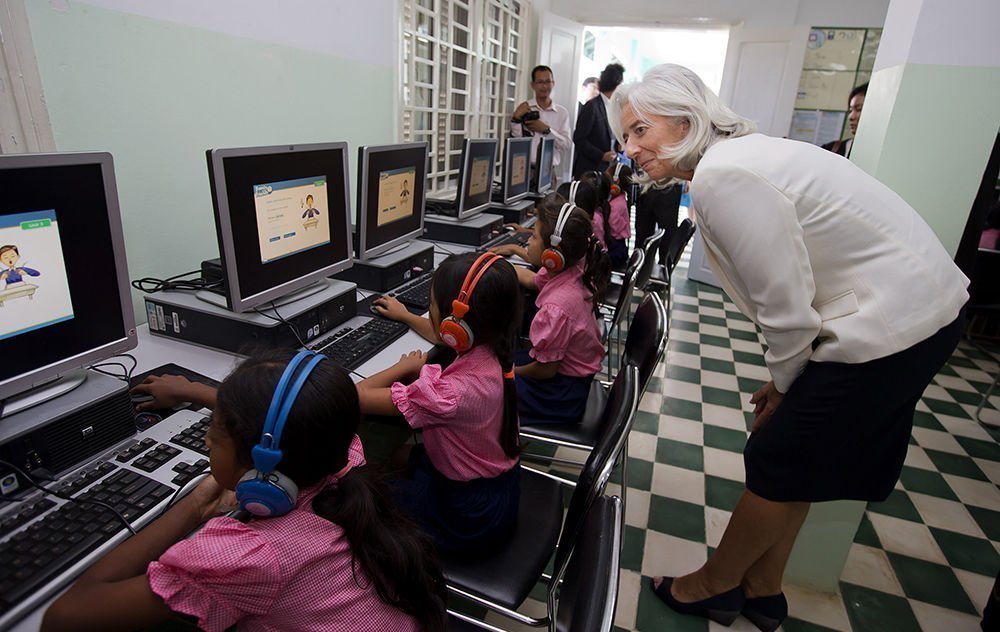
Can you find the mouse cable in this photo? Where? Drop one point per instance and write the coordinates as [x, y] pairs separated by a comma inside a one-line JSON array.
[[51, 492], [281, 319], [126, 375]]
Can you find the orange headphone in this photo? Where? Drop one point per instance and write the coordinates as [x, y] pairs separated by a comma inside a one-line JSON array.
[[616, 188], [552, 257], [454, 331]]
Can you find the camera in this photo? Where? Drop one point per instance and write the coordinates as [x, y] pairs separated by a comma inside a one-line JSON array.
[[531, 115]]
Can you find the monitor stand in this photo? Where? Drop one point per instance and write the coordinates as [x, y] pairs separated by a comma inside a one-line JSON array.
[[219, 299], [43, 393], [391, 269]]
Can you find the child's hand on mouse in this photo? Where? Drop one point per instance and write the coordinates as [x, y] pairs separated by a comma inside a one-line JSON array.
[[412, 362], [506, 250], [389, 307], [167, 391], [517, 228]]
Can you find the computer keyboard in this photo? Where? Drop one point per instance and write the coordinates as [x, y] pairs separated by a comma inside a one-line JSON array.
[[415, 293], [46, 541], [350, 348], [515, 238]]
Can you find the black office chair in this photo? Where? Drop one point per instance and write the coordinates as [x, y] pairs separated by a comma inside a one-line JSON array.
[[649, 251], [502, 581], [623, 307], [983, 318], [589, 592], [660, 277]]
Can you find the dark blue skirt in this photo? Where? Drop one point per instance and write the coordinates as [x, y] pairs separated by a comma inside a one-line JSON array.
[[560, 399], [618, 253], [463, 517]]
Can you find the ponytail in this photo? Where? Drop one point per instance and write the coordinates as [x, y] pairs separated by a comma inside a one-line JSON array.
[[510, 432], [392, 552], [596, 271]]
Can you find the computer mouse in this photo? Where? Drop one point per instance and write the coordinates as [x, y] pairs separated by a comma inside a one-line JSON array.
[[373, 309], [510, 229]]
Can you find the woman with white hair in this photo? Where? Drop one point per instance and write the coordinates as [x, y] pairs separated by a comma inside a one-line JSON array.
[[857, 300]]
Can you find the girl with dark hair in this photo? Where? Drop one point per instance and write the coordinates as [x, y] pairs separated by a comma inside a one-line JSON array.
[[554, 376], [463, 486], [344, 556]]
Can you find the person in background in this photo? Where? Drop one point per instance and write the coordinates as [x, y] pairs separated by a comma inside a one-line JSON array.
[[854, 104], [542, 118], [990, 239], [596, 147], [588, 90]]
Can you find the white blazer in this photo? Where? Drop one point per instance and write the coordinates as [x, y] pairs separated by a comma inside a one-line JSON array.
[[812, 248]]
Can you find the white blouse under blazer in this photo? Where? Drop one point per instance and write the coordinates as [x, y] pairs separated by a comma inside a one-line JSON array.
[[812, 248]]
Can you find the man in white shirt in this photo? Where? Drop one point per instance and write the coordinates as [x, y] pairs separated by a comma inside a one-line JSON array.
[[553, 119]]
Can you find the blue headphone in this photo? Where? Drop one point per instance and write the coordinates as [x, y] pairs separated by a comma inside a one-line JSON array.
[[264, 491]]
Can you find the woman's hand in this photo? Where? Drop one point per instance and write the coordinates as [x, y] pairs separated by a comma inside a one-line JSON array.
[[211, 499], [168, 391], [765, 401], [411, 363], [507, 250], [390, 308]]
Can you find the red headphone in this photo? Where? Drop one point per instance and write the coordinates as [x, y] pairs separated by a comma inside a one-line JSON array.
[[454, 331], [552, 257], [616, 188]]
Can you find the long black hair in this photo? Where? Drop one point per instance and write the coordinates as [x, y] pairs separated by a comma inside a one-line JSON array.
[[388, 547], [578, 242], [494, 317]]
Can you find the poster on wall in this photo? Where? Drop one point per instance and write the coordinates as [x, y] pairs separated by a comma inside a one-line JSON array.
[[824, 90], [834, 49], [870, 49], [816, 126]]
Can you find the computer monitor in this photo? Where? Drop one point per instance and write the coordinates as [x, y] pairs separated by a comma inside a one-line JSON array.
[[391, 184], [517, 169], [64, 294], [475, 180], [546, 151], [281, 214]]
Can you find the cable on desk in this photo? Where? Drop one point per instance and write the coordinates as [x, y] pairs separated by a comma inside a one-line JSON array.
[[126, 374], [438, 246], [31, 481], [279, 318], [152, 285]]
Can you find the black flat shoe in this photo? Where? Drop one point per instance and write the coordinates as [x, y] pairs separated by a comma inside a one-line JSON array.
[[722, 608], [766, 613]]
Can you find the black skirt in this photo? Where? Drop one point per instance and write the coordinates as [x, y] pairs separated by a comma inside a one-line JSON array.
[[842, 430]]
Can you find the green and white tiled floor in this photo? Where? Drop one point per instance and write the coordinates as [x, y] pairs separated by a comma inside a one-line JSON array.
[[925, 559]]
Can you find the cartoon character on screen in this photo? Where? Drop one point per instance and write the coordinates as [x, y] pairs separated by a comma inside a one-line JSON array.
[[310, 215], [405, 193], [12, 283]]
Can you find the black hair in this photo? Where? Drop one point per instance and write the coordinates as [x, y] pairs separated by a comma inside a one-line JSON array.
[[862, 90], [611, 77], [578, 242], [393, 554], [538, 69], [588, 81], [601, 186], [494, 317], [4, 249]]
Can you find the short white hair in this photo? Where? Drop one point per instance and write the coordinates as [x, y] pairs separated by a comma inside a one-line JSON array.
[[678, 93]]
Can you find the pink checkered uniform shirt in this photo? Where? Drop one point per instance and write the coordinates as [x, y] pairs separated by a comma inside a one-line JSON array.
[[460, 411], [287, 573], [565, 329]]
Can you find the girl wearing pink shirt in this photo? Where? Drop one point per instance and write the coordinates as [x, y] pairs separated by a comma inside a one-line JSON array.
[[343, 557], [554, 376], [462, 485]]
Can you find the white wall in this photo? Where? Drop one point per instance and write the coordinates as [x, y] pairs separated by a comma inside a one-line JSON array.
[[651, 13]]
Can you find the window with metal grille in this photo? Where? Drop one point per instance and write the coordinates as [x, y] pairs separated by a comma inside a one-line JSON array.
[[461, 64]]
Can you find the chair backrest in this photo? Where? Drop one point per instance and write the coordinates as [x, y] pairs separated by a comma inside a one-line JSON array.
[[589, 591], [628, 284], [678, 243], [619, 413], [650, 249], [647, 338]]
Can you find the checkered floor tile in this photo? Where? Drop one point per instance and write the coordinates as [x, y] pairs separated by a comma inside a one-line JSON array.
[[925, 559]]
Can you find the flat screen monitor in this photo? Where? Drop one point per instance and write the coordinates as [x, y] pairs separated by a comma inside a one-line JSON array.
[[64, 294], [282, 218], [516, 169], [391, 185], [546, 151], [475, 180]]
